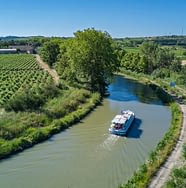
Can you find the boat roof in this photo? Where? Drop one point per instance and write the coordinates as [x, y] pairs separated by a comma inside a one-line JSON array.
[[120, 119]]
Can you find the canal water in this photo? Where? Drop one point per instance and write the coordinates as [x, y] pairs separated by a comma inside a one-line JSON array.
[[86, 155]]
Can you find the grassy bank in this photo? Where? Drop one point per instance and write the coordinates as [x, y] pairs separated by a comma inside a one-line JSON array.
[[158, 156], [22, 130]]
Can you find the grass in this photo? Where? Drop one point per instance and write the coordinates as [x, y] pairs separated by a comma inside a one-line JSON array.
[[132, 49], [21, 130]]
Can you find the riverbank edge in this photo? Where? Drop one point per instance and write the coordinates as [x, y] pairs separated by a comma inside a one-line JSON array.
[[143, 176], [39, 135]]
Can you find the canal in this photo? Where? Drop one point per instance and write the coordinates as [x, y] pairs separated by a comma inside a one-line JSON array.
[[86, 155]]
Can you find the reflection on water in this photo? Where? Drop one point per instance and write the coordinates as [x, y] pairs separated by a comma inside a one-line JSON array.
[[86, 155], [128, 90]]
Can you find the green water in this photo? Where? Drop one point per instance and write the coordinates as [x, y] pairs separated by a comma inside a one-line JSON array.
[[86, 155]]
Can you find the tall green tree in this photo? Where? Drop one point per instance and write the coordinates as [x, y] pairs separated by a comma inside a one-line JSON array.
[[89, 58], [119, 51], [149, 51], [49, 52], [158, 58], [134, 62]]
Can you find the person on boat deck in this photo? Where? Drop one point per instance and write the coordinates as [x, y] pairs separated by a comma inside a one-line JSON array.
[[118, 126]]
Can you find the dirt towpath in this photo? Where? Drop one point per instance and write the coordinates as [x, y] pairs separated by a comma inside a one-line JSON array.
[[44, 66], [174, 160]]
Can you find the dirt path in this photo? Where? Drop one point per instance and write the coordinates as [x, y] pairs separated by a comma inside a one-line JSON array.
[[174, 160], [44, 66]]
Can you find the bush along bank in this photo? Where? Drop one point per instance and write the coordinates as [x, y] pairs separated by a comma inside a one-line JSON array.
[[158, 156], [31, 133]]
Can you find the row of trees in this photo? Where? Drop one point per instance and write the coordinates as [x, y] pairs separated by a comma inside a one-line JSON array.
[[35, 41], [172, 40], [90, 58], [151, 58]]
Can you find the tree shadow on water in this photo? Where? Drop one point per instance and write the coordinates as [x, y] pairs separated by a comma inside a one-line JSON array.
[[125, 90], [135, 131]]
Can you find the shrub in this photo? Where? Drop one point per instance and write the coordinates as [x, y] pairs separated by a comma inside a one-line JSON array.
[[161, 73], [65, 103], [31, 99]]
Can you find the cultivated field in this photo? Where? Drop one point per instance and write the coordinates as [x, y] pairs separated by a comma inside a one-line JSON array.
[[18, 71]]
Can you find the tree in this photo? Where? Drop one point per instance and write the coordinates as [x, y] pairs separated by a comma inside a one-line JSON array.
[[176, 65], [89, 58], [134, 62], [164, 58], [119, 51], [65, 66], [149, 51], [49, 52], [182, 78], [158, 58]]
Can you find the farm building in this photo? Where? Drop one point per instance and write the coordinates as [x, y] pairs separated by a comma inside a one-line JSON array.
[[8, 51], [23, 48]]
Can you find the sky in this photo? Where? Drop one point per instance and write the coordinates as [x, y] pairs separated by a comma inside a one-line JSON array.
[[120, 18]]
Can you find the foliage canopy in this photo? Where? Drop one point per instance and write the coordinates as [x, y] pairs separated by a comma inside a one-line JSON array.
[[88, 58], [49, 52]]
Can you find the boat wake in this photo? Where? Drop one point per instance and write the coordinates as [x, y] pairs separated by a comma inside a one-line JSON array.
[[109, 142], [106, 147]]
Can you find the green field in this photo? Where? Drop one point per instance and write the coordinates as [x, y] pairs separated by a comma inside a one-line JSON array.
[[17, 72], [180, 52], [132, 49]]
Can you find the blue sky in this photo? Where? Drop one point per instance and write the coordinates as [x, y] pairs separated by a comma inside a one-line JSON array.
[[120, 18]]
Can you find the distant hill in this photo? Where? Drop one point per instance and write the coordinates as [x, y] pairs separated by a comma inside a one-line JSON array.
[[172, 40], [10, 38], [179, 40]]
